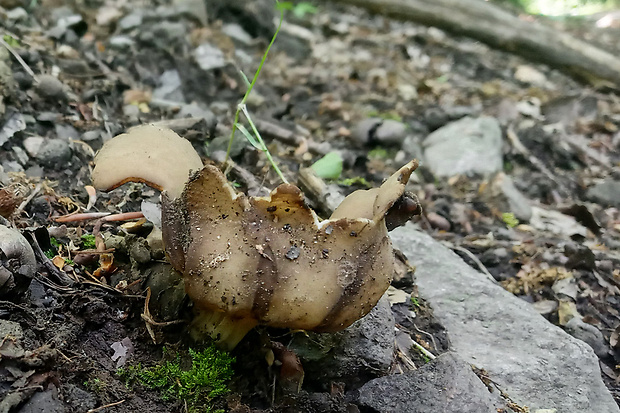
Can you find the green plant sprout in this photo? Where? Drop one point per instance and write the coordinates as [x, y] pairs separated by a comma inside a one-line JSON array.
[[415, 301], [199, 385], [509, 219], [256, 140]]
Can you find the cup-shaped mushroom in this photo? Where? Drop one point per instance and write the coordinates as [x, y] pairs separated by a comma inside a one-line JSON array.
[[271, 261], [249, 261]]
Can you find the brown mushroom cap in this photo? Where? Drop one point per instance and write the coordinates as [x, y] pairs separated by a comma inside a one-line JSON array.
[[271, 260], [149, 154]]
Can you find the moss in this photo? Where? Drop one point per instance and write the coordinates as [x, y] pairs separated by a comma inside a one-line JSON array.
[[509, 219], [88, 241], [199, 385]]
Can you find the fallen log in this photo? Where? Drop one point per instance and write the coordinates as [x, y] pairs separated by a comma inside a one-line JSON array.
[[500, 29]]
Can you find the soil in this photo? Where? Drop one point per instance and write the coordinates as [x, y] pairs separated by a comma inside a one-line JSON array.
[[325, 74]]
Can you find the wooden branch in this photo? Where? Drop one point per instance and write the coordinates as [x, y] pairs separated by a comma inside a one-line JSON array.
[[499, 29]]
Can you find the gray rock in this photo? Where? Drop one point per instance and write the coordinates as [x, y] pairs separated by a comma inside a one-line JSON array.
[[167, 31], [362, 351], [139, 251], [16, 14], [448, 384], [10, 328], [503, 195], [606, 193], [469, 146], [79, 400], [121, 42], [167, 285], [66, 132], [44, 402], [54, 153], [8, 84], [588, 333], [209, 57], [130, 21], [536, 363], [237, 34], [377, 131], [391, 132], [20, 155], [196, 9], [50, 87], [193, 110], [170, 87], [14, 124], [91, 135], [132, 113]]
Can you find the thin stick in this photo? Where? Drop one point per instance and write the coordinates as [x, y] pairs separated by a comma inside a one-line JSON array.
[[106, 406], [423, 350], [104, 216], [26, 201], [18, 58], [428, 334], [476, 260]]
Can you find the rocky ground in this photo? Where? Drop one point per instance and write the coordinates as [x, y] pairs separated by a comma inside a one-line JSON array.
[[519, 177]]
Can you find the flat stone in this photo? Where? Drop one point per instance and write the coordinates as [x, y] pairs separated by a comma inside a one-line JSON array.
[[10, 328], [170, 87], [470, 146], [536, 363], [54, 153], [44, 402], [448, 384], [130, 21], [606, 193], [209, 57], [503, 195]]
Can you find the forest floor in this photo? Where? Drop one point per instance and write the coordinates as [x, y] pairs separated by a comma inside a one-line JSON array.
[[104, 66]]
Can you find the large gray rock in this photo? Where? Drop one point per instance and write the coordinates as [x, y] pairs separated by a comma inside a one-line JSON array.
[[536, 363], [468, 146], [448, 384]]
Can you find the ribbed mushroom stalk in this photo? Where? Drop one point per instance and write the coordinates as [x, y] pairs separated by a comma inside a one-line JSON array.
[[249, 261]]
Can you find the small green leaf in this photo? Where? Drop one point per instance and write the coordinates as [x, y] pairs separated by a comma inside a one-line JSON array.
[[329, 166], [284, 5], [304, 8], [245, 79], [10, 40], [249, 137]]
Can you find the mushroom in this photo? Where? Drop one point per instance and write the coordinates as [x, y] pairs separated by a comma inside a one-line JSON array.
[[271, 260], [17, 262]]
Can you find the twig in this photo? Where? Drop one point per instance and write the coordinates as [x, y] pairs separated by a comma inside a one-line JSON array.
[[105, 406], [26, 201], [428, 334], [104, 216], [148, 319], [81, 217], [19, 59], [423, 350], [514, 140], [474, 259]]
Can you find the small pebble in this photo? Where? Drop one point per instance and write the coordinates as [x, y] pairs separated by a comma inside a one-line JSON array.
[[50, 87]]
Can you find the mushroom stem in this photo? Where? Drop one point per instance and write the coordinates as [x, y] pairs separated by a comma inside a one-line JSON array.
[[226, 331]]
